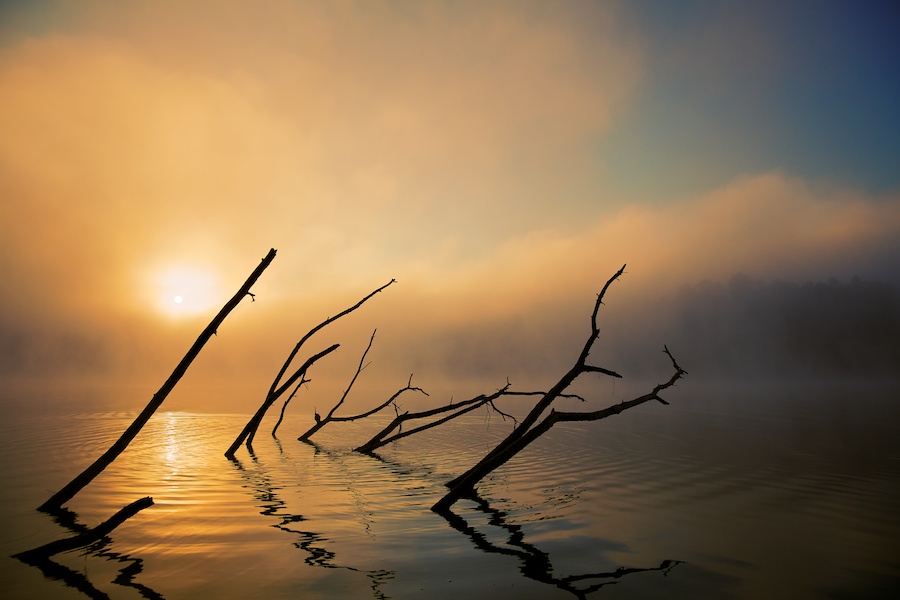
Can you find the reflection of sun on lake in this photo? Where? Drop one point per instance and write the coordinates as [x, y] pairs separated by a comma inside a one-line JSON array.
[[172, 459], [170, 435], [182, 449]]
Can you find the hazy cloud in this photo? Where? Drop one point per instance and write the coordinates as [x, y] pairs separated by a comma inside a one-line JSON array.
[[451, 146]]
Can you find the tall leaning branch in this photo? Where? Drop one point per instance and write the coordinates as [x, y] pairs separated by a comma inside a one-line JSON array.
[[55, 502], [529, 430]]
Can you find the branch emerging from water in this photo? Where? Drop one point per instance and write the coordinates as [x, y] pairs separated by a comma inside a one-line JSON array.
[[73, 487], [529, 430], [330, 418], [280, 385]]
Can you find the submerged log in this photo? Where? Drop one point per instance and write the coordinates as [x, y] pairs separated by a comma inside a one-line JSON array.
[[55, 502], [387, 435]]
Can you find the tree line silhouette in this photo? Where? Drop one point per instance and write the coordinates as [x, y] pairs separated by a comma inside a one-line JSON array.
[[827, 328]]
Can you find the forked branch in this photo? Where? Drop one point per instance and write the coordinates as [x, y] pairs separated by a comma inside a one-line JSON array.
[[280, 385], [253, 424], [530, 429], [331, 418], [386, 435], [275, 382], [285, 405]]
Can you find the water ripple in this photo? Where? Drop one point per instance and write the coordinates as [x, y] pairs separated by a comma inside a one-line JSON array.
[[681, 484]]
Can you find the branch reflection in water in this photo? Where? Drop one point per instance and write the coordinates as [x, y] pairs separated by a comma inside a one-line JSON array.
[[309, 541], [535, 563], [363, 512], [100, 549]]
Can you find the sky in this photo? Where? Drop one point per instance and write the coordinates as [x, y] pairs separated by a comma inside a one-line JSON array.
[[499, 159]]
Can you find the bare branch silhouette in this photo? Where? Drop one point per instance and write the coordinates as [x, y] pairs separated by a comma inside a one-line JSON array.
[[253, 424], [330, 418], [385, 436], [529, 430], [56, 501], [280, 386], [285, 405]]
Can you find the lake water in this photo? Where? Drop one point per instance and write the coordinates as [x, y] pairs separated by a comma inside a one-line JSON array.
[[747, 491]]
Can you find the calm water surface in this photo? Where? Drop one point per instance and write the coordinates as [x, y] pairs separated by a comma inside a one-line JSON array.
[[789, 492]]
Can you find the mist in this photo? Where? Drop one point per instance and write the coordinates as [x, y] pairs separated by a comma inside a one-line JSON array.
[[500, 161]]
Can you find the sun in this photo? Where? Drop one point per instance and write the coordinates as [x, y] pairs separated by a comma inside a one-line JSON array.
[[182, 290]]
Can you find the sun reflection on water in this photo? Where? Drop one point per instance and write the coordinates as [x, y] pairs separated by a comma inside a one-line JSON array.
[[170, 436]]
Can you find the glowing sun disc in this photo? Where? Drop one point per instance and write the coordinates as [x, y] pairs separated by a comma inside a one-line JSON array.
[[183, 290]]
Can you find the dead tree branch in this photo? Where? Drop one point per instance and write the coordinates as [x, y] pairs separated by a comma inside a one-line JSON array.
[[253, 424], [384, 436], [56, 501], [529, 430], [330, 418], [315, 329], [285, 405], [279, 387]]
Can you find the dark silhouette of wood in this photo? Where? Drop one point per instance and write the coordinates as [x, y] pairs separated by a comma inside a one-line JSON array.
[[320, 422], [87, 537], [458, 409], [285, 405], [252, 425], [55, 502], [384, 436], [331, 418], [278, 388], [528, 431]]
